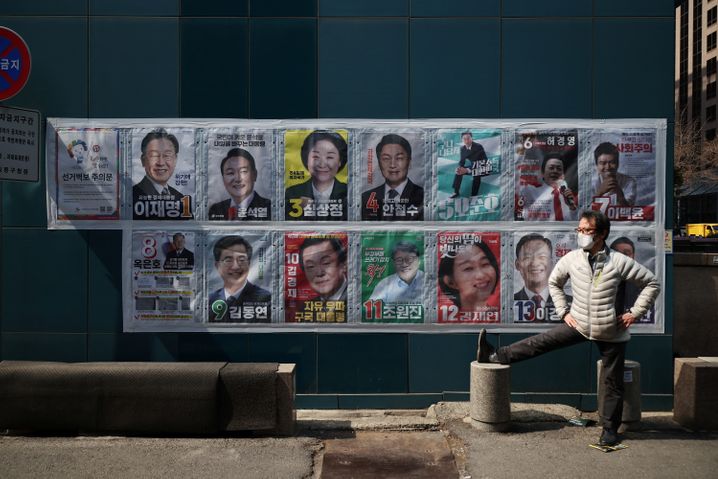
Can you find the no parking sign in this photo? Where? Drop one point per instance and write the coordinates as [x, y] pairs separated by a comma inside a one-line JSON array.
[[14, 63]]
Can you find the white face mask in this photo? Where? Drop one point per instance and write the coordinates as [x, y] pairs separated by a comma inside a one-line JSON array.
[[584, 241]]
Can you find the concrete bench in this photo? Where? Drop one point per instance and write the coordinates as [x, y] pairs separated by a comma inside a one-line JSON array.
[[147, 398], [695, 393]]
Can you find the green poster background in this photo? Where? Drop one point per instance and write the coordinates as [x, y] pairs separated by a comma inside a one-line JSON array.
[[378, 270]]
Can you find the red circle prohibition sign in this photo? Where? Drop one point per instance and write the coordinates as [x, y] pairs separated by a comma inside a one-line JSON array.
[[14, 63]]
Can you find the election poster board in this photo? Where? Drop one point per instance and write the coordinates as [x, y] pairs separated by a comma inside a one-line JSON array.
[[392, 180], [392, 277], [534, 255], [316, 280], [88, 174], [546, 178], [240, 167], [239, 271], [468, 164], [623, 173], [243, 178], [316, 175], [164, 279], [469, 277], [163, 174]]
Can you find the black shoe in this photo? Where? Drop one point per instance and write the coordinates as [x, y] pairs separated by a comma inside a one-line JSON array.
[[486, 350], [608, 438], [455, 195]]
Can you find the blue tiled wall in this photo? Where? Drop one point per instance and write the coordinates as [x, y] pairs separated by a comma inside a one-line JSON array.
[[60, 291]]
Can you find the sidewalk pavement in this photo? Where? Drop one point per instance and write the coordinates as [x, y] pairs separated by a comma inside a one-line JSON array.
[[435, 443]]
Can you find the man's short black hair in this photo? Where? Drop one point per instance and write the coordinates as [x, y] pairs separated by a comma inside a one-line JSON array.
[[623, 240], [226, 242], [393, 139], [315, 137], [334, 242], [176, 235], [532, 237], [241, 153], [600, 221], [467, 132], [605, 148], [406, 247], [552, 156], [159, 134]]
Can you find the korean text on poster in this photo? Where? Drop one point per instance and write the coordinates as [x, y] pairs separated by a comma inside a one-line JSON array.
[[546, 178], [469, 277], [642, 248], [163, 173], [240, 172], [623, 180], [315, 277], [87, 174], [316, 175], [536, 253], [392, 175], [469, 172], [392, 277], [239, 278], [163, 275]]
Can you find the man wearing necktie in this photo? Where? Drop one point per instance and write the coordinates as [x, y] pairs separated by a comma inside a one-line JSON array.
[[153, 198], [472, 158], [552, 200], [534, 263]]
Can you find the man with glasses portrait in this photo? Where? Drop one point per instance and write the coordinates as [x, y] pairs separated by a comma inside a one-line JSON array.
[[238, 301], [405, 286]]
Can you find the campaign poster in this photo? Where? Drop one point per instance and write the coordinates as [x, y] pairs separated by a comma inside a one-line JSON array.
[[469, 277], [535, 255], [163, 174], [546, 177], [87, 174], [315, 277], [164, 275], [239, 277], [469, 175], [316, 175], [392, 277], [642, 248], [623, 178], [392, 179], [240, 174]]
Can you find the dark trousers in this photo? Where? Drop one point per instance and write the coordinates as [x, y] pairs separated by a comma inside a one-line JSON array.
[[562, 335], [475, 184]]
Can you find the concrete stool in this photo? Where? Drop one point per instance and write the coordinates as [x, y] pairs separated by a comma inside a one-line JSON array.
[[490, 401], [631, 418]]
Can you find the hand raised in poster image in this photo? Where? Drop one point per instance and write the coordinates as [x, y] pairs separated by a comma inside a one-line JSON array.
[[323, 197], [552, 199], [398, 198], [608, 182]]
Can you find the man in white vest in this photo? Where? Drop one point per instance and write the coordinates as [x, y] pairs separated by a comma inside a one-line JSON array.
[[596, 273]]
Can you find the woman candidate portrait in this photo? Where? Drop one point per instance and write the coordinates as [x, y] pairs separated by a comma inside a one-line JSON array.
[[469, 277], [323, 197], [239, 174]]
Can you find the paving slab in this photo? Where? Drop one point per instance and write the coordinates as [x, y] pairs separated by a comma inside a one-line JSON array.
[[388, 455]]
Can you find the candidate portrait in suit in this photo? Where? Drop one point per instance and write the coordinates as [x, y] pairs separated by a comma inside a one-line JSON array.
[[150, 196], [534, 262], [179, 257], [470, 155], [238, 300], [239, 175], [323, 197], [398, 199]]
